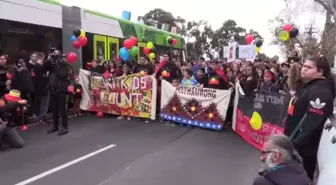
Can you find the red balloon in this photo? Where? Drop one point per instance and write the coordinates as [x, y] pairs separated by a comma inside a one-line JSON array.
[[249, 38], [100, 114], [71, 57], [133, 40], [146, 51], [128, 44], [287, 27], [83, 41], [76, 44], [174, 42]]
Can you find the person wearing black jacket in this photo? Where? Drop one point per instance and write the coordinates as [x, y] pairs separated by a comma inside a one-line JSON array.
[[309, 109], [144, 67], [169, 70], [59, 74], [4, 81], [215, 81]]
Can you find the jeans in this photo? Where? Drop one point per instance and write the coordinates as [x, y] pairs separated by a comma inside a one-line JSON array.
[[10, 136], [44, 105], [59, 104]]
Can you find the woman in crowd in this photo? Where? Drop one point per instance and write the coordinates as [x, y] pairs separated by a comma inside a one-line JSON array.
[[309, 109], [250, 81]]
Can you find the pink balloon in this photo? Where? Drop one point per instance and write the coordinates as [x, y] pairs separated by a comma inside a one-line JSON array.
[[72, 57], [133, 40], [249, 38], [76, 44], [287, 27], [83, 41], [128, 44], [100, 114]]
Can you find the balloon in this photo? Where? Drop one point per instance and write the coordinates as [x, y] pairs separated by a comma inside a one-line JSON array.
[[124, 54], [146, 51], [153, 50], [73, 38], [259, 43], [256, 121], [71, 57], [77, 32], [169, 39], [284, 35], [249, 38], [174, 41], [128, 44], [293, 32], [134, 51], [82, 33], [258, 50], [82, 40], [151, 56], [149, 45], [76, 44], [287, 27], [100, 114], [133, 40]]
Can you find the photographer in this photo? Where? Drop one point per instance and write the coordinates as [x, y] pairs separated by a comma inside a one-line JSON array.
[[59, 73], [10, 105]]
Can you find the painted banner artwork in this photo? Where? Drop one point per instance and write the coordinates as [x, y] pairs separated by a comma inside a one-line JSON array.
[[131, 95], [258, 117], [194, 106]]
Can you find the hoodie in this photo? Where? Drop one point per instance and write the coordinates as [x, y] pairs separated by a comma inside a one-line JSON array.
[[312, 105], [287, 173]]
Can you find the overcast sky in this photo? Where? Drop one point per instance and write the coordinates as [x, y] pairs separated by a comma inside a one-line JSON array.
[[250, 14]]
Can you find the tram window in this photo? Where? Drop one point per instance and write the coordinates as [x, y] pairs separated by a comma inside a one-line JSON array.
[[101, 48], [113, 50], [141, 51]]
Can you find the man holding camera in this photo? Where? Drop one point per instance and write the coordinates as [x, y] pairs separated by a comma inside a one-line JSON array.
[[59, 80]]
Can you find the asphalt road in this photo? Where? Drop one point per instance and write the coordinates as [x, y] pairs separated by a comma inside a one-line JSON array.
[[144, 154]]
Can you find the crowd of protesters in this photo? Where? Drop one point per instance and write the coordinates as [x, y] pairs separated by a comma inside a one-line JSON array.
[[41, 80]]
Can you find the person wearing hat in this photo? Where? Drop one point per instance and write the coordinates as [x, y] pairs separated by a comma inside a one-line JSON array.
[[9, 105], [217, 78]]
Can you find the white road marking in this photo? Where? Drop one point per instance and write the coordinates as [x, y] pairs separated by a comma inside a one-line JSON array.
[[70, 163]]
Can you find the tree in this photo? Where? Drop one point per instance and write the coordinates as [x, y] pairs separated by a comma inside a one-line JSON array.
[[230, 29], [159, 16], [310, 44], [198, 36]]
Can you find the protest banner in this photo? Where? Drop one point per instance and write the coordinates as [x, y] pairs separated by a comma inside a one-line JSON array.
[[258, 117], [132, 95], [194, 106]]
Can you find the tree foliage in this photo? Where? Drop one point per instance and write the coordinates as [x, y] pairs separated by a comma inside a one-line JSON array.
[[201, 39], [323, 41]]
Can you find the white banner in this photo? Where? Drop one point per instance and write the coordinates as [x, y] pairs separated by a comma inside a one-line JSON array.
[[194, 106], [247, 52]]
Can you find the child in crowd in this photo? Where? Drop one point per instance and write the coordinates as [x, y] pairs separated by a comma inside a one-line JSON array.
[[269, 83], [202, 78], [126, 71], [188, 79], [77, 97]]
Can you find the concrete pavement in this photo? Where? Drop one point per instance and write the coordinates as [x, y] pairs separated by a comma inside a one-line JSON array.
[[145, 154]]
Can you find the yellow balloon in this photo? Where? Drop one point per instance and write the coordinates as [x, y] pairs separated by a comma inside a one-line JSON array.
[[149, 45], [151, 55], [82, 34], [258, 49], [256, 121], [284, 35]]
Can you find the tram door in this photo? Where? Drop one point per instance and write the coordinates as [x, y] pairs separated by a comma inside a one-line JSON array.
[[141, 46], [112, 47], [99, 46]]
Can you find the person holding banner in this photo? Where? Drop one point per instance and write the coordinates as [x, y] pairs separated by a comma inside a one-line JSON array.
[[309, 109], [217, 78]]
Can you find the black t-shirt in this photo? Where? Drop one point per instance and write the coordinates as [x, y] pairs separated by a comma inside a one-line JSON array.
[[145, 69]]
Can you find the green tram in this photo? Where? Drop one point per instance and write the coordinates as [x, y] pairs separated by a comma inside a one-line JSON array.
[[38, 25]]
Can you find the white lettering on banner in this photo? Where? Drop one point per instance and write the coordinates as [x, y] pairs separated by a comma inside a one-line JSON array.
[[275, 100], [193, 91]]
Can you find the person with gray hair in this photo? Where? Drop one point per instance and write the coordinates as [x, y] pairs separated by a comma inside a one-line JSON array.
[[281, 164]]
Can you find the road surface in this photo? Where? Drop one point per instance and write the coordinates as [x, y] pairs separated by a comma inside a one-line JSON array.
[[112, 152]]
